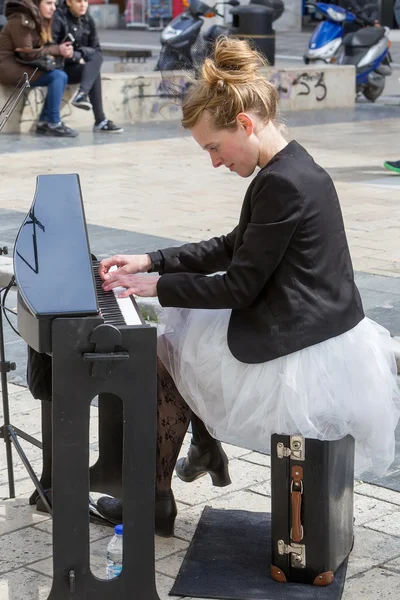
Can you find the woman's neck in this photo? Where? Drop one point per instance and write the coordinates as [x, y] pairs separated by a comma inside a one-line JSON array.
[[271, 142]]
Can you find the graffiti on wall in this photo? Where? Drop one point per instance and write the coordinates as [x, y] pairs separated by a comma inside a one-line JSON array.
[[158, 97], [290, 85]]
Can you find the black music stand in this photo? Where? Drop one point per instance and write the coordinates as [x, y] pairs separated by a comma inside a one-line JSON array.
[[8, 431]]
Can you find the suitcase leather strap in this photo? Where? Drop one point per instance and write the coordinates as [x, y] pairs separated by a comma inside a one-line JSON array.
[[296, 492]]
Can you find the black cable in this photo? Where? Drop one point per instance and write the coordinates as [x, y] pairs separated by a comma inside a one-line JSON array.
[[5, 308]]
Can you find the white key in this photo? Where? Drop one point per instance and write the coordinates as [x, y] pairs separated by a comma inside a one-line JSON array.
[[126, 305], [127, 308]]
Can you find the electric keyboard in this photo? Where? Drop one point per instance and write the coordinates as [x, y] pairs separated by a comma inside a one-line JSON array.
[[54, 269], [100, 347]]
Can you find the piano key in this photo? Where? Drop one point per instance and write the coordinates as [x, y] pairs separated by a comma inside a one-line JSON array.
[[116, 310]]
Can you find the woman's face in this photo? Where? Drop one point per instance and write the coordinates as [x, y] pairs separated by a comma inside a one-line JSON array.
[[47, 8], [237, 150], [78, 7]]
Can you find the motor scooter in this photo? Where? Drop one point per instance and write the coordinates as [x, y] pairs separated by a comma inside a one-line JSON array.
[[368, 50], [327, 37], [183, 46]]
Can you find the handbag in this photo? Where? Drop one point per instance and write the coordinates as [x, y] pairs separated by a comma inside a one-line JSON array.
[[44, 62]]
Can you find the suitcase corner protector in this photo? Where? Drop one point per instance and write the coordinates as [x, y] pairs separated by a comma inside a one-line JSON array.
[[324, 579], [278, 575]]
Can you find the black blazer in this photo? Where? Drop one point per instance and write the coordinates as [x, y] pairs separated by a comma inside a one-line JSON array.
[[289, 279]]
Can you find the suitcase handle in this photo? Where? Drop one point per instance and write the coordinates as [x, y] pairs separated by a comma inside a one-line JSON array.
[[296, 491]]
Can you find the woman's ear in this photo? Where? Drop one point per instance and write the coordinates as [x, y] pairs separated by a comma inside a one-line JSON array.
[[245, 122]]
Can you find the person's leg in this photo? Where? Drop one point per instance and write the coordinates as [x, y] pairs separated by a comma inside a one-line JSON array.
[[87, 75], [90, 72], [55, 81], [205, 455], [173, 416], [96, 99], [89, 79], [43, 81]]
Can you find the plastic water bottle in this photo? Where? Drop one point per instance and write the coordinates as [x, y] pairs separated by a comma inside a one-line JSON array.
[[114, 553]]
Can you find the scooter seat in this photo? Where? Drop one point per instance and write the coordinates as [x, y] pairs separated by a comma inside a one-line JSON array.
[[214, 32], [364, 38]]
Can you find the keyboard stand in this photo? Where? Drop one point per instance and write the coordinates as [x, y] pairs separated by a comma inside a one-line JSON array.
[[81, 371], [8, 431]]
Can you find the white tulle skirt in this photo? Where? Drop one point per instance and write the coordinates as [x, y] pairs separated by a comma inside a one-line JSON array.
[[345, 385]]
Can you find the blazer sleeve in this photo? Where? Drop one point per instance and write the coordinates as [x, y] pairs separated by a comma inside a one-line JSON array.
[[202, 257], [276, 210]]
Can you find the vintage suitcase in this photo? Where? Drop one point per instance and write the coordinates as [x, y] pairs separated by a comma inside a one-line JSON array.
[[312, 507]]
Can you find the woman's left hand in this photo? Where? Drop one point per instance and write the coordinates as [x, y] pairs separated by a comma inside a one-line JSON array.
[[140, 285]]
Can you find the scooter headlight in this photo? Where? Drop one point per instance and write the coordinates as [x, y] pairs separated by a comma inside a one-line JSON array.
[[169, 32], [336, 15]]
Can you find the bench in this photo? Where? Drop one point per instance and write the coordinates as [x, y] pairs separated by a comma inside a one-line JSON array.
[[126, 52]]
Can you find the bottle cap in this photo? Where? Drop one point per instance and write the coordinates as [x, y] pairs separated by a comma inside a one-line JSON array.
[[118, 529]]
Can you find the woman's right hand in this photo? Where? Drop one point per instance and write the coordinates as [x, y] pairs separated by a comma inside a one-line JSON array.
[[126, 263], [66, 49]]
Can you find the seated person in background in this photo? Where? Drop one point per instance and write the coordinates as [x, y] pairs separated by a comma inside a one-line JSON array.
[[83, 67], [28, 30]]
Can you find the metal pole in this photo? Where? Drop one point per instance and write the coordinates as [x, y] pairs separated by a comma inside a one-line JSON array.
[[5, 368]]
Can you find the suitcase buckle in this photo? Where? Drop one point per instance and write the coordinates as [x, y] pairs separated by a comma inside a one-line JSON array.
[[297, 450], [297, 553]]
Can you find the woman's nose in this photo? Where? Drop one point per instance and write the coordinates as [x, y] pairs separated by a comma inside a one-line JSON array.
[[216, 162]]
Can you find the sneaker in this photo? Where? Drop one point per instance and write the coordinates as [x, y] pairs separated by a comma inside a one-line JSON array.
[[59, 130], [107, 126], [81, 101], [41, 127], [392, 165]]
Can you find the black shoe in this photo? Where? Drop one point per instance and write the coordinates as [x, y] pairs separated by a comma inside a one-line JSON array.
[[59, 130], [41, 127], [165, 512], [81, 101], [107, 126], [202, 459]]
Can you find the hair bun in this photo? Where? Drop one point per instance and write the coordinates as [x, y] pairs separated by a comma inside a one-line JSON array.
[[234, 62], [229, 83]]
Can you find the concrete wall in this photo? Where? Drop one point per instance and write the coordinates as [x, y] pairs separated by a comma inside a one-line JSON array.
[[291, 20], [106, 16], [130, 98]]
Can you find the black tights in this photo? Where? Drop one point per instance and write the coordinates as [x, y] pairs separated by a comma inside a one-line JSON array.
[[173, 416]]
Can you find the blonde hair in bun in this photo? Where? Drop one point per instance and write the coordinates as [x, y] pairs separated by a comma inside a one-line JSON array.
[[230, 83]]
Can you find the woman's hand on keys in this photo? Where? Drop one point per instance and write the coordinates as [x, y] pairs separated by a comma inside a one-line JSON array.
[[124, 264], [139, 285]]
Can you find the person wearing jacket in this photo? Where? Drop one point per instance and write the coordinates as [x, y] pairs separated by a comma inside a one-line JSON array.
[[72, 19], [261, 330], [27, 34]]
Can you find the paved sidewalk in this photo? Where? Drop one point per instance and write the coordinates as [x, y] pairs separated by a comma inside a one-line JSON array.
[[25, 535], [155, 183]]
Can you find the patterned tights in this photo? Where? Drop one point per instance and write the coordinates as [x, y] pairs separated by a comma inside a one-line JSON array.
[[173, 416]]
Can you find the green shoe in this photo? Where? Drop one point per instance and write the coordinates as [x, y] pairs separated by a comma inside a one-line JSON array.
[[392, 165]]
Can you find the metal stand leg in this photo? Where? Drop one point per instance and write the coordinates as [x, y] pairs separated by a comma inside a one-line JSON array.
[[7, 431], [6, 367]]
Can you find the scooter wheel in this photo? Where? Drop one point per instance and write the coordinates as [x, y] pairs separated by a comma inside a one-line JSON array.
[[373, 93]]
